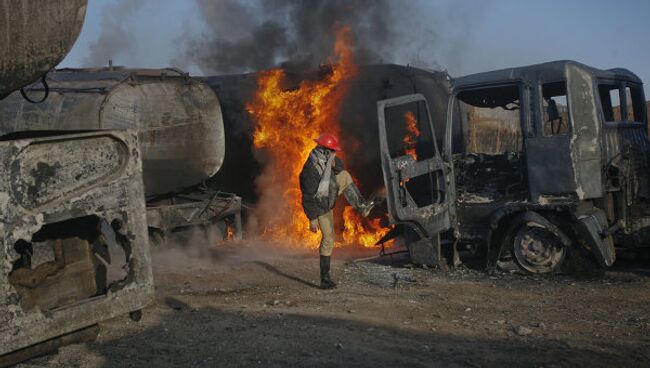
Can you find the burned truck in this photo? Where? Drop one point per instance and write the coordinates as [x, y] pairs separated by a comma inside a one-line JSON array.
[[74, 249], [180, 131], [553, 166], [524, 167]]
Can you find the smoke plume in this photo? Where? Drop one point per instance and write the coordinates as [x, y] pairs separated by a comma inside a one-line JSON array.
[[249, 36], [115, 38], [235, 36]]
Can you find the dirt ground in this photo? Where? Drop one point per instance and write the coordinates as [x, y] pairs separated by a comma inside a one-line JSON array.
[[247, 305]]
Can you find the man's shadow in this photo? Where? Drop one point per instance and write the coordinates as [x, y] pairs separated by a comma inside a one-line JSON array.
[[274, 270]]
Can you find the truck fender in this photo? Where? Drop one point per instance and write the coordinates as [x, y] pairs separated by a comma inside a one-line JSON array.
[[592, 226], [534, 218], [494, 248]]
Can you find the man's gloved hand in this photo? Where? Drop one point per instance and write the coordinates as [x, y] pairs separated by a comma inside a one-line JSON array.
[[313, 226]]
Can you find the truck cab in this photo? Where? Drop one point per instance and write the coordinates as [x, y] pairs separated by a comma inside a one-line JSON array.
[[541, 164]]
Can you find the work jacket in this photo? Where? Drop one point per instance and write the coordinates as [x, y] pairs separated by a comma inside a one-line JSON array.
[[309, 179]]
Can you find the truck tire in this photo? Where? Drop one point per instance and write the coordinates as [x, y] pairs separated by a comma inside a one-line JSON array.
[[535, 248]]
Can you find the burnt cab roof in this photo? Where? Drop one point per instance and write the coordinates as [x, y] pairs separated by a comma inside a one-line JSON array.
[[532, 73]]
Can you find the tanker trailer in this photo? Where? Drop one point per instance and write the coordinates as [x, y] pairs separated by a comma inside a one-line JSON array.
[[74, 249], [180, 130]]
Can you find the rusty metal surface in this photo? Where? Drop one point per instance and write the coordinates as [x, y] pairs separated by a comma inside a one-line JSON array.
[[178, 119], [184, 212], [92, 174], [35, 36]]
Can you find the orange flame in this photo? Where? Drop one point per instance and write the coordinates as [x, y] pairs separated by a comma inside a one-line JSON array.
[[286, 123], [366, 232], [410, 139]]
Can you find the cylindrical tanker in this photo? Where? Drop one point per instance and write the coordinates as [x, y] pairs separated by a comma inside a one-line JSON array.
[[178, 119], [36, 35]]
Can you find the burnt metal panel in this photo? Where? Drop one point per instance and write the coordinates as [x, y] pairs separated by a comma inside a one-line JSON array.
[[550, 70], [593, 228], [616, 136], [35, 182], [117, 197], [431, 218], [585, 142], [626, 147], [474, 218], [550, 171]]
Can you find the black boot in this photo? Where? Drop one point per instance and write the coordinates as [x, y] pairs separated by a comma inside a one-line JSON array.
[[354, 197], [325, 280]]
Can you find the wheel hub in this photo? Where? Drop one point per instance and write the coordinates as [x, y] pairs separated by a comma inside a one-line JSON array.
[[537, 249]]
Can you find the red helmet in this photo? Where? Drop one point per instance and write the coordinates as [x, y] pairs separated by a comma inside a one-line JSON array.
[[328, 141]]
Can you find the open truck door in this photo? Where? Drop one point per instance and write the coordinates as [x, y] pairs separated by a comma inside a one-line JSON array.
[[570, 153], [418, 179]]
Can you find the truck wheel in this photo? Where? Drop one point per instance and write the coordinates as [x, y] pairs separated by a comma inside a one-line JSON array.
[[536, 249]]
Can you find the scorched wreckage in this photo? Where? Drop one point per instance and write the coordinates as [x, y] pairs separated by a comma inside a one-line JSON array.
[[180, 131], [532, 167], [74, 249], [523, 167], [564, 174]]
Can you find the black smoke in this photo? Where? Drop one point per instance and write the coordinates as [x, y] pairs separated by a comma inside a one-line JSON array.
[[115, 39], [238, 36], [254, 35]]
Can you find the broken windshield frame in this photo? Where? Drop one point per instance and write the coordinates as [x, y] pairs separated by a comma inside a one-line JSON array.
[[515, 103], [628, 107]]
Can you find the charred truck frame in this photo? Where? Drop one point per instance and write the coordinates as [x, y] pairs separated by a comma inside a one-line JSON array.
[[74, 249], [564, 172]]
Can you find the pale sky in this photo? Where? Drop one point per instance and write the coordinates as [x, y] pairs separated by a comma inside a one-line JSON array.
[[490, 34]]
